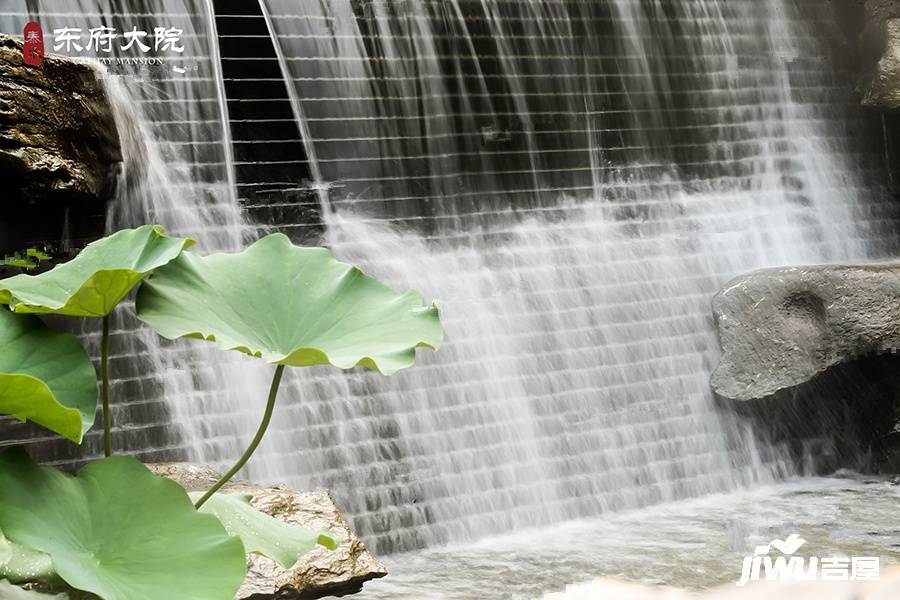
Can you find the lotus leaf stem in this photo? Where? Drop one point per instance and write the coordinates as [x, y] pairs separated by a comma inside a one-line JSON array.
[[104, 373], [270, 407]]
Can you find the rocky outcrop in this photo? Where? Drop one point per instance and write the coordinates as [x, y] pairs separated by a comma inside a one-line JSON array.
[[321, 572], [864, 36], [880, 53], [809, 356], [782, 327], [863, 41], [57, 134], [58, 151], [882, 87]]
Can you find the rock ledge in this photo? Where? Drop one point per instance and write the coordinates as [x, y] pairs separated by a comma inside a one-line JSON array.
[[780, 328], [58, 137], [321, 572]]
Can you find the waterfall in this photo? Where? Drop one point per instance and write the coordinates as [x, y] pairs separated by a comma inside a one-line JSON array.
[[177, 168], [573, 181], [176, 171]]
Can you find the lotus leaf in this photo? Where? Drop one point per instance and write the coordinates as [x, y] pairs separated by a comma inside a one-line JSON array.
[[289, 305], [95, 281], [46, 376], [92, 284], [5, 550], [261, 534], [28, 566], [9, 591], [118, 531]]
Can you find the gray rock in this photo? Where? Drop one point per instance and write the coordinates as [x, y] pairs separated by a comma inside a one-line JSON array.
[[781, 327], [882, 89], [319, 573], [195, 477], [58, 138]]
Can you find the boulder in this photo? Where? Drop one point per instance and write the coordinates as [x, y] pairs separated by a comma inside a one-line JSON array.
[[59, 151], [872, 36], [878, 43], [58, 137], [864, 40], [780, 328], [319, 573], [860, 41], [882, 87]]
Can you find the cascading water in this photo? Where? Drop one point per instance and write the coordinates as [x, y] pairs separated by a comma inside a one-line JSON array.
[[573, 181], [176, 171], [156, 193]]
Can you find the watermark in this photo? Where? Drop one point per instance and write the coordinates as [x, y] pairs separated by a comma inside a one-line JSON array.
[[142, 49], [102, 39], [787, 567], [33, 46]]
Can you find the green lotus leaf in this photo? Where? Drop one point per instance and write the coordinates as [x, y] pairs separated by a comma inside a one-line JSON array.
[[8, 591], [46, 376], [261, 534], [289, 305], [26, 565], [95, 281], [118, 531], [5, 550]]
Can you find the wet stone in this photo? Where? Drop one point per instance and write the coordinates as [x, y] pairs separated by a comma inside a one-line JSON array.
[[321, 572]]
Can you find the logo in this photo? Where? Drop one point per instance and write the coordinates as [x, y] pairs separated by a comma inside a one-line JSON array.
[[103, 40], [33, 50], [797, 568], [153, 46]]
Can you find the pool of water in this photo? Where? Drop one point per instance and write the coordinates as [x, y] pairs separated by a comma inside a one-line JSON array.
[[694, 544]]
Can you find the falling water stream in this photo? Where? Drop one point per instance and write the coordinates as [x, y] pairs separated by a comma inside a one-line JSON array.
[[572, 181], [575, 377]]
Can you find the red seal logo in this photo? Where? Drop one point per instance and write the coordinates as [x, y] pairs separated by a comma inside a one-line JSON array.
[[33, 51]]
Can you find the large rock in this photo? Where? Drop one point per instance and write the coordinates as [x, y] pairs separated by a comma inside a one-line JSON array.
[[59, 148], [863, 44], [864, 36], [881, 88], [782, 327], [878, 44], [57, 133], [319, 573]]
